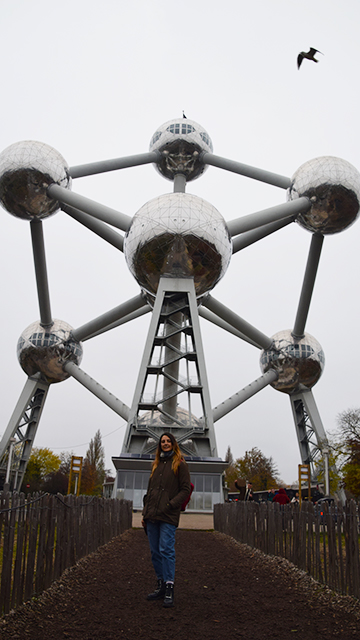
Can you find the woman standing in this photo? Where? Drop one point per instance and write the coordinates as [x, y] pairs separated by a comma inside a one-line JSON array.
[[169, 486]]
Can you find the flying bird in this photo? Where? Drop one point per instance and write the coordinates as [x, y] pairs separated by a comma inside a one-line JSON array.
[[309, 55]]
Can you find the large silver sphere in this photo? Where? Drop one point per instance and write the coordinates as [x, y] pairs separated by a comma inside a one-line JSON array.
[[156, 420], [333, 187], [27, 169], [44, 351], [179, 235], [298, 362], [181, 142]]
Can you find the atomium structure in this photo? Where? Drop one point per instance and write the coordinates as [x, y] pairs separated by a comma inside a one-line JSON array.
[[177, 247]]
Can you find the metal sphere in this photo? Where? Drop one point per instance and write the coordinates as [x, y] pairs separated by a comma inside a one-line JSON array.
[[181, 143], [158, 420], [45, 350], [333, 187], [297, 361], [27, 169], [178, 235]]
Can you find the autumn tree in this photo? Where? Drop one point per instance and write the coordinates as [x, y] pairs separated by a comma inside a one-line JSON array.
[[258, 469], [346, 447], [93, 471], [42, 463], [58, 481]]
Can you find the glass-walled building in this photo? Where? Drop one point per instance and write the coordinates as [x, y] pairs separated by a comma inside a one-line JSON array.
[[132, 475]]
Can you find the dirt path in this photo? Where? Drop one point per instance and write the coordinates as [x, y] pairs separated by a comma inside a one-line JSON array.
[[223, 590]]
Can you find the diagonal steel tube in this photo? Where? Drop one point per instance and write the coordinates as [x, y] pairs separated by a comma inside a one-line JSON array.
[[87, 330], [95, 388], [246, 170], [98, 227], [260, 339], [249, 237], [95, 209], [308, 285], [211, 317], [241, 396], [81, 170], [260, 218], [38, 245], [131, 316]]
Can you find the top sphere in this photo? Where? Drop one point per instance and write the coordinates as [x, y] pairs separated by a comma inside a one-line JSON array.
[[333, 187], [27, 169], [181, 143]]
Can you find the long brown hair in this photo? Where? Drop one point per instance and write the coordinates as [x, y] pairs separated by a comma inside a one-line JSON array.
[[176, 458]]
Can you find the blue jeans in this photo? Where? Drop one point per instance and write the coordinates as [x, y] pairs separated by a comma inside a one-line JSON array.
[[161, 537]]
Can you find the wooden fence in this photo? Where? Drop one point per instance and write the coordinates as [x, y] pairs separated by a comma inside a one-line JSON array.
[[324, 543], [42, 535]]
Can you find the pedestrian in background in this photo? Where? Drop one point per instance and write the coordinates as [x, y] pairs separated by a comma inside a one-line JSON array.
[[248, 493], [281, 497]]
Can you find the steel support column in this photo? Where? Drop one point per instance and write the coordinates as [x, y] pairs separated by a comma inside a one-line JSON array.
[[173, 363], [22, 426]]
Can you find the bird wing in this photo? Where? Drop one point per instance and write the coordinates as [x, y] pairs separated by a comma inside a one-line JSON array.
[[313, 51], [300, 58]]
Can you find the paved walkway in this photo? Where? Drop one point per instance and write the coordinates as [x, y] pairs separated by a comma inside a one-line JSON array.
[[188, 520]]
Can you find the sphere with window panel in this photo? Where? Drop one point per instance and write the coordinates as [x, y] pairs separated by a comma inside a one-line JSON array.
[[44, 350], [181, 143], [297, 361]]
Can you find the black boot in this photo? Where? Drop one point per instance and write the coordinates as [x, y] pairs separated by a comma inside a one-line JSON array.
[[169, 595], [159, 591]]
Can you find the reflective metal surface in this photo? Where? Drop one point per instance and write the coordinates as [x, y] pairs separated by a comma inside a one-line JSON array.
[[333, 186], [181, 142], [157, 419], [178, 235], [45, 350], [296, 361], [26, 171]]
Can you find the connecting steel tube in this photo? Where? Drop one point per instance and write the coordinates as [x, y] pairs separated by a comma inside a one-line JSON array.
[[96, 226], [279, 212], [99, 211], [259, 338], [241, 396], [308, 285], [249, 237], [97, 390], [37, 238], [87, 330], [103, 166], [246, 170]]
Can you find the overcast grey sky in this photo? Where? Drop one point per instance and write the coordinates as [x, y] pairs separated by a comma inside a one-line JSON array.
[[95, 80]]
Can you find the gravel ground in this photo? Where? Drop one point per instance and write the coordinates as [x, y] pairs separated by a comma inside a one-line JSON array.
[[223, 589]]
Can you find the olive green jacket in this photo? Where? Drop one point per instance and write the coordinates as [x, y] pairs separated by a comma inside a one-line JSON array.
[[166, 492]]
